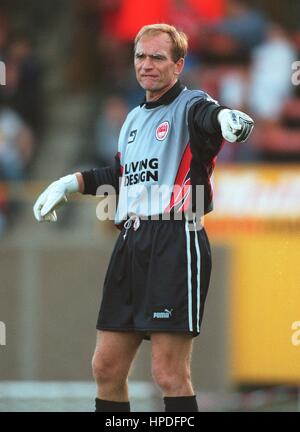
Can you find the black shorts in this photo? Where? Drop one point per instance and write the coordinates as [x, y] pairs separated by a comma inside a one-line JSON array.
[[157, 279]]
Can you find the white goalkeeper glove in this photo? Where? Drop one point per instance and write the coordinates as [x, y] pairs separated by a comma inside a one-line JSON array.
[[235, 125], [53, 197]]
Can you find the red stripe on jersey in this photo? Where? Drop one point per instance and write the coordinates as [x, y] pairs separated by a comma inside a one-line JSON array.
[[118, 155], [186, 196], [182, 181]]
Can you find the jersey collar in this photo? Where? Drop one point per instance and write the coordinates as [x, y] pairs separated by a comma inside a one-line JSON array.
[[166, 98]]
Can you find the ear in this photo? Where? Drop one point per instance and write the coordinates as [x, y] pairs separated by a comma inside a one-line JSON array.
[[179, 65]]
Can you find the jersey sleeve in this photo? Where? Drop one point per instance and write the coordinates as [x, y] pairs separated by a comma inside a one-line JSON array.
[[203, 115], [204, 128]]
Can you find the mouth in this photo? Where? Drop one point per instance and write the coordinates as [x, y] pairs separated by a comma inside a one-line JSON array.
[[149, 76]]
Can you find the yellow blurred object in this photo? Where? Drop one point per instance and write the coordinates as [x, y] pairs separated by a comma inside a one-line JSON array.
[[265, 303], [264, 274]]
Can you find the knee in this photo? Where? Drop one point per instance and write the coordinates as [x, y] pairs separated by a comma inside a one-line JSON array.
[[106, 369], [169, 378], [101, 368]]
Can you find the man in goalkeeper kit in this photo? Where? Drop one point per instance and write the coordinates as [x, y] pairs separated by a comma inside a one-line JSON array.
[[158, 277]]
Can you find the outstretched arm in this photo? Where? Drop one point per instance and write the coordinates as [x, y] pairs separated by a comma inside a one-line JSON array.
[[86, 182], [211, 119]]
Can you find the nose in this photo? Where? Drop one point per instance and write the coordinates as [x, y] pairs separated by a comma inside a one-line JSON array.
[[147, 63]]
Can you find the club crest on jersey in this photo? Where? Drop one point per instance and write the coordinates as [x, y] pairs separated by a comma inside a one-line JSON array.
[[162, 131]]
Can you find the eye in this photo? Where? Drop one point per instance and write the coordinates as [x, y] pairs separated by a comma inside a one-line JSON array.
[[139, 56], [158, 57]]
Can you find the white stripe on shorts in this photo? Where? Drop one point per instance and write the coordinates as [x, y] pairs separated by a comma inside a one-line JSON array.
[[198, 275], [189, 275]]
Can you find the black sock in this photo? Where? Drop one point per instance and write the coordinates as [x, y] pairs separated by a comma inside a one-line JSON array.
[[111, 406], [181, 404]]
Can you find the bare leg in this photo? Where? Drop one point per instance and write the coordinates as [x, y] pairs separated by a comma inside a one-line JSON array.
[[171, 358], [114, 354]]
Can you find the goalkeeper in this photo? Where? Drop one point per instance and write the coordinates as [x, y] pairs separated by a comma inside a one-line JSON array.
[[158, 277]]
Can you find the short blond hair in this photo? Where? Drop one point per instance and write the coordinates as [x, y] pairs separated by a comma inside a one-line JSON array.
[[178, 38]]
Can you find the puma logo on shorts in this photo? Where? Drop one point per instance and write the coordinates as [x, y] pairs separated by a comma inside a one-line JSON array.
[[165, 314]]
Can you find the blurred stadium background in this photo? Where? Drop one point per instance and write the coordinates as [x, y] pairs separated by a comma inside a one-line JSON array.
[[69, 85]]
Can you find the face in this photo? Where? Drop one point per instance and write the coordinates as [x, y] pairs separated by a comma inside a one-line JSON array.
[[155, 69]]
